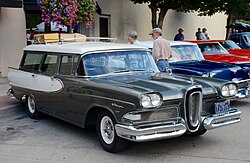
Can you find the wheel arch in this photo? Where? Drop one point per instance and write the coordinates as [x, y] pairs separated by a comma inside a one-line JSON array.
[[91, 116]]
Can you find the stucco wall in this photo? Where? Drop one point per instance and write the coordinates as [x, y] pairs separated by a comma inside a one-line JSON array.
[[12, 37], [126, 16]]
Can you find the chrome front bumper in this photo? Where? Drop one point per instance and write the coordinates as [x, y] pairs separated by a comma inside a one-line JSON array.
[[160, 131], [244, 93], [222, 119]]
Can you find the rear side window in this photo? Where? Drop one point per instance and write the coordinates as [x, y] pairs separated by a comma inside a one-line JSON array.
[[49, 65], [31, 62], [68, 64]]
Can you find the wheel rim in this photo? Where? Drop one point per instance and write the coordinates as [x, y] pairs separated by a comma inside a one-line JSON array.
[[107, 130], [31, 104]]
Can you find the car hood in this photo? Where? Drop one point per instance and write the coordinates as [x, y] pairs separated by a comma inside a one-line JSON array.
[[170, 86], [240, 52], [203, 66], [217, 70], [226, 58]]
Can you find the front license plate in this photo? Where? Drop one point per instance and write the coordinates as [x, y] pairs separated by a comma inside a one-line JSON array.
[[221, 107]]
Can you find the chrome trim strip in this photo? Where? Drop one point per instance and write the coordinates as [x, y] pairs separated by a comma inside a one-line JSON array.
[[151, 133], [222, 119], [241, 81]]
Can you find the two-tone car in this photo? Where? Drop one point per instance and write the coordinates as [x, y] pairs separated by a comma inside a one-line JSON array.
[[118, 89], [188, 59]]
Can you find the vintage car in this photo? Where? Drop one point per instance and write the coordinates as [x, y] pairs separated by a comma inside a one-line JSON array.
[[214, 51], [242, 39], [187, 59], [233, 48], [118, 89]]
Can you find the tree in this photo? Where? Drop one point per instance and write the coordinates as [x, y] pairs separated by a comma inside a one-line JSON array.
[[232, 8], [203, 7], [161, 7]]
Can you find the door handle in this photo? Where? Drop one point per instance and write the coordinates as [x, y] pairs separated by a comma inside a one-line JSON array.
[[34, 75]]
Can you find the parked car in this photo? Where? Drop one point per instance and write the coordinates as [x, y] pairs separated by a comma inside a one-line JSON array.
[[118, 88], [242, 39], [214, 51], [233, 48], [187, 59]]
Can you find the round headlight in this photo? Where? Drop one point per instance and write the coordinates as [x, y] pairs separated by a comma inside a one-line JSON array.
[[155, 100], [232, 89], [145, 101], [225, 90]]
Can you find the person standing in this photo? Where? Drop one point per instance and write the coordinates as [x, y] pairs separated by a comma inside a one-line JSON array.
[[132, 38], [203, 34], [179, 36], [161, 51], [197, 34]]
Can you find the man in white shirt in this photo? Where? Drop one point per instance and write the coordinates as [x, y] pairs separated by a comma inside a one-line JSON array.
[[161, 50]]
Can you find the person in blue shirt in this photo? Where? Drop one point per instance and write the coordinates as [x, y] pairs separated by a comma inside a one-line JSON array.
[[179, 36], [132, 38]]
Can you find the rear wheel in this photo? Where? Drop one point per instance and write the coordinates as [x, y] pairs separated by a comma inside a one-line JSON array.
[[31, 107], [108, 138]]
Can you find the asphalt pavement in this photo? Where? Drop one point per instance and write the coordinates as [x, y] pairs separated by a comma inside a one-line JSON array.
[[4, 86]]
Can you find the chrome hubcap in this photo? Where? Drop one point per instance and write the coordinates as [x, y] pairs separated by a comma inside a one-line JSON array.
[[107, 130], [31, 104]]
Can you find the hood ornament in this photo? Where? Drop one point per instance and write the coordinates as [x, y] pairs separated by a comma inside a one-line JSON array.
[[191, 80]]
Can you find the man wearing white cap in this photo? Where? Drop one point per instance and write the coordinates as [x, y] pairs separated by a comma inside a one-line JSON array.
[[161, 50]]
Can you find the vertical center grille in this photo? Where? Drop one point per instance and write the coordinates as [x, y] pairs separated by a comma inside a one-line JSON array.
[[193, 109]]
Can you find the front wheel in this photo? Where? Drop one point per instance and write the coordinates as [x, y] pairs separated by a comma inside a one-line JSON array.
[[31, 107], [108, 138]]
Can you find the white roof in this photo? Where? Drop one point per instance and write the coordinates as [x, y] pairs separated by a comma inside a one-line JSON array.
[[149, 44], [81, 47]]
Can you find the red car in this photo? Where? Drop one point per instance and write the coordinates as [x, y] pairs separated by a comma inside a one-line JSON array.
[[233, 48], [212, 50]]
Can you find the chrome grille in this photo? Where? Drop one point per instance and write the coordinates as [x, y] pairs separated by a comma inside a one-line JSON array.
[[159, 115], [207, 108]]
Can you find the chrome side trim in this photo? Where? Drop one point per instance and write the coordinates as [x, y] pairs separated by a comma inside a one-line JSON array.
[[222, 119], [152, 132]]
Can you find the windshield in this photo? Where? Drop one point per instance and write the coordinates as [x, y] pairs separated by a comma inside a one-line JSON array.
[[212, 48], [118, 62], [229, 45], [247, 38], [186, 52]]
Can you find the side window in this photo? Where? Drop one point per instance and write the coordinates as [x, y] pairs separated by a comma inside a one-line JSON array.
[[31, 62], [236, 39], [68, 64], [49, 65]]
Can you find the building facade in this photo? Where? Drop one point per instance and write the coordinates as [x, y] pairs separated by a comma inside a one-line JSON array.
[[115, 19]]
